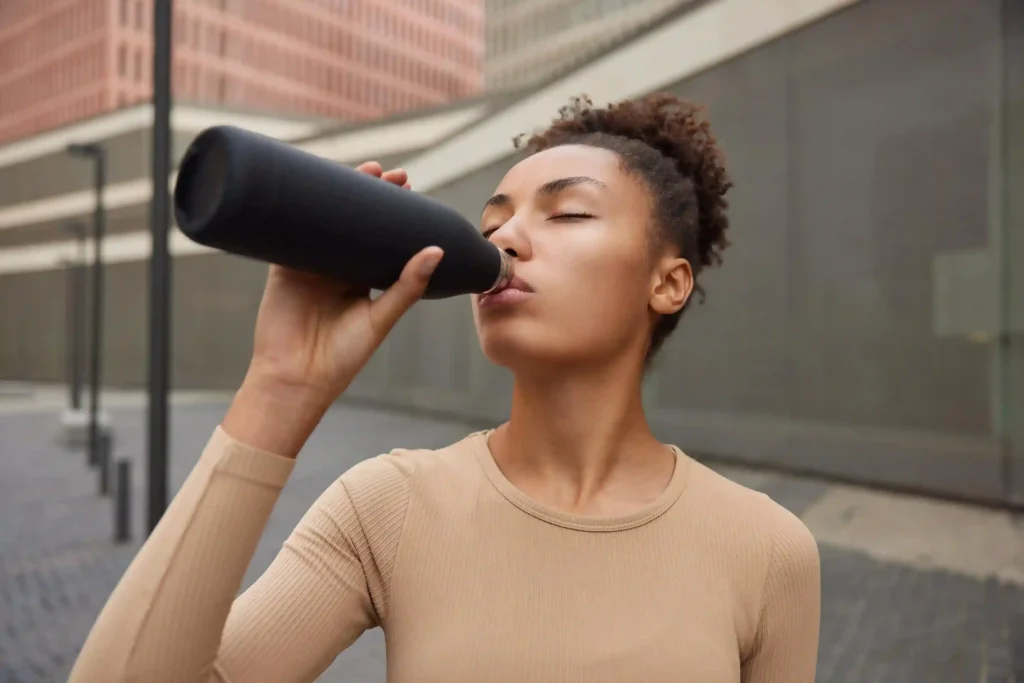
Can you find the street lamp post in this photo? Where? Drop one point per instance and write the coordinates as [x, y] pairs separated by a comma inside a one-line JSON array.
[[76, 303], [160, 266], [98, 155]]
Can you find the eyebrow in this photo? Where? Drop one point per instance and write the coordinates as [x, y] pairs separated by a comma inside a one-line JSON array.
[[551, 187]]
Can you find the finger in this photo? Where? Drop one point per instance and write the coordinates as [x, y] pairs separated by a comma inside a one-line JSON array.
[[371, 168], [407, 186], [397, 176], [399, 297]]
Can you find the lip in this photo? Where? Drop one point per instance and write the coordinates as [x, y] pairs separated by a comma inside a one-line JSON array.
[[517, 290]]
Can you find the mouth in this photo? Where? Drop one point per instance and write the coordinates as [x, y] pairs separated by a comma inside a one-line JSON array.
[[517, 290]]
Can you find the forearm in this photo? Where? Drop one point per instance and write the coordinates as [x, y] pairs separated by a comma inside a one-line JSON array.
[[165, 618]]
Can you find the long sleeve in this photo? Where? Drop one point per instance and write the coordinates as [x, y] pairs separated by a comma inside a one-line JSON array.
[[174, 616], [328, 584], [164, 619], [786, 645]]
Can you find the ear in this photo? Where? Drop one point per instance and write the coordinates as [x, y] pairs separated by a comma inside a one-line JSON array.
[[671, 286]]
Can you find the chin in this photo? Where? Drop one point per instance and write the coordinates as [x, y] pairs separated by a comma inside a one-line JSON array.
[[518, 350], [514, 348]]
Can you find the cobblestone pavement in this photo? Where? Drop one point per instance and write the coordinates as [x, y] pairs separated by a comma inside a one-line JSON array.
[[882, 620]]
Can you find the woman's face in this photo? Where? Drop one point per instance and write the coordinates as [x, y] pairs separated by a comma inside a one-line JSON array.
[[579, 228]]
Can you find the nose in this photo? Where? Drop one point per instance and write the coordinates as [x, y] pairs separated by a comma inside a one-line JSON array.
[[512, 238]]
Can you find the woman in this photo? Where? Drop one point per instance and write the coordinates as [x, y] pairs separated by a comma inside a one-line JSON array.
[[567, 544]]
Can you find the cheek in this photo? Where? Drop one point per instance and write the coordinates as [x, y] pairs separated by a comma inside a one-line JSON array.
[[602, 294], [610, 280], [610, 301]]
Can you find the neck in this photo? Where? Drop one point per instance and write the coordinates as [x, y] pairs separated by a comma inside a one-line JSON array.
[[573, 434]]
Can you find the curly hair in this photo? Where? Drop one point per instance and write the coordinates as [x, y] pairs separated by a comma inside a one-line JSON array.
[[665, 141]]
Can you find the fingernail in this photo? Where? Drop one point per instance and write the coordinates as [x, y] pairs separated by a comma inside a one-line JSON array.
[[427, 269]]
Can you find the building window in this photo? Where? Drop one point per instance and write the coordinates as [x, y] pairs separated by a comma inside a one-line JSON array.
[[138, 66], [124, 17], [140, 21], [180, 27], [122, 60]]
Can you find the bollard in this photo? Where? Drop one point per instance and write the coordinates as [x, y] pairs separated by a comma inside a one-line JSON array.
[[123, 502], [104, 454]]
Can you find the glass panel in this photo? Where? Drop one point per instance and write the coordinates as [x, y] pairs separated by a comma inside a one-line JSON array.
[[1012, 262], [857, 164]]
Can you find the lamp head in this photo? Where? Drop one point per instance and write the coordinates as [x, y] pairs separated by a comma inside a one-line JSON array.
[[89, 149]]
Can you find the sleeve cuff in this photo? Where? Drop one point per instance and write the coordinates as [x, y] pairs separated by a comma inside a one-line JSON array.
[[229, 456]]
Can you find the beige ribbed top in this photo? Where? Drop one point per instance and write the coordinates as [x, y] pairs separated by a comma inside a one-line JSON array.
[[470, 579]]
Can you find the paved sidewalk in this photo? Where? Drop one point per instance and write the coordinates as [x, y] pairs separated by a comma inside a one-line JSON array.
[[913, 589]]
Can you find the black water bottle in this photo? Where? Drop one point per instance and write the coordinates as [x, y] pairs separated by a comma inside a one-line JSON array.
[[255, 196]]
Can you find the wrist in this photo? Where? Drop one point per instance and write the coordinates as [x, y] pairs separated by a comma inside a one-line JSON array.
[[274, 416], [270, 385]]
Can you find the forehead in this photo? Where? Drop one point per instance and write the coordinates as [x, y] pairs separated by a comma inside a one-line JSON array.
[[565, 161]]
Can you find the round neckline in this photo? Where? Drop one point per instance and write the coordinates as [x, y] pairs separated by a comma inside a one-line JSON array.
[[546, 513]]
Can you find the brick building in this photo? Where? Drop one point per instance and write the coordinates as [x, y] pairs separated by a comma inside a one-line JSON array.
[[63, 60]]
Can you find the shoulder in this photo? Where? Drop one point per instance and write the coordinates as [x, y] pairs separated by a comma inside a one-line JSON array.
[[795, 562], [775, 544], [770, 553], [765, 540], [747, 513], [786, 544], [389, 480], [369, 503]]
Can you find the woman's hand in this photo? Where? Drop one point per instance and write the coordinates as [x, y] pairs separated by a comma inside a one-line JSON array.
[[313, 336]]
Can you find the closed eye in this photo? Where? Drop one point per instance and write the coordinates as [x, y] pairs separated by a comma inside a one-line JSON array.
[[557, 217]]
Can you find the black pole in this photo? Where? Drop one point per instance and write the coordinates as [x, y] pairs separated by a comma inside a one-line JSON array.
[[100, 159], [123, 501], [76, 316], [70, 342], [160, 266], [82, 306], [106, 454]]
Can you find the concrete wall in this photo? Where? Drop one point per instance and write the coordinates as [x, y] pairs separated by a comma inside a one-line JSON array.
[[864, 149]]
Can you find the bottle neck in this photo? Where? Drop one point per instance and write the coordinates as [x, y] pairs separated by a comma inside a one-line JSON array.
[[505, 273]]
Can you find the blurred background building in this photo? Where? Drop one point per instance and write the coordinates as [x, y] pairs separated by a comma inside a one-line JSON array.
[[868, 321], [348, 60], [529, 41]]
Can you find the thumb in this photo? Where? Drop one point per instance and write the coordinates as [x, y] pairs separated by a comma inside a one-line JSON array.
[[399, 297]]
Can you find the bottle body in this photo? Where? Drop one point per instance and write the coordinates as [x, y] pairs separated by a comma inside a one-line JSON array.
[[254, 196]]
